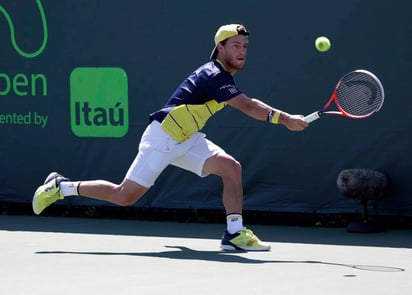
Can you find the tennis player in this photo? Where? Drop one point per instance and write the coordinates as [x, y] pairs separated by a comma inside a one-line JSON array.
[[173, 137]]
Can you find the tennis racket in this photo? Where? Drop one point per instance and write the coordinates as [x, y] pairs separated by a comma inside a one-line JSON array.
[[359, 94]]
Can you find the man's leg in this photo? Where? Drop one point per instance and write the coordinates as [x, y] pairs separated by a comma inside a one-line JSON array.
[[142, 173], [124, 194], [236, 237], [56, 187], [230, 171]]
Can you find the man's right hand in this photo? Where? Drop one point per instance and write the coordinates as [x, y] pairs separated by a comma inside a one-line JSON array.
[[293, 122]]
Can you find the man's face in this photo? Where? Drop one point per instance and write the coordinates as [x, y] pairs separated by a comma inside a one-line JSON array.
[[233, 53]]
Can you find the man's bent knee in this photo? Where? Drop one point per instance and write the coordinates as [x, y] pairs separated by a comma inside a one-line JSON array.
[[129, 192], [223, 165]]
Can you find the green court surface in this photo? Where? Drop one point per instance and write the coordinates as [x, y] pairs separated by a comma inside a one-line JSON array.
[[56, 255]]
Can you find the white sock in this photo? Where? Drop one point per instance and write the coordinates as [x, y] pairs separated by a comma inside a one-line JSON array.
[[69, 188], [234, 223]]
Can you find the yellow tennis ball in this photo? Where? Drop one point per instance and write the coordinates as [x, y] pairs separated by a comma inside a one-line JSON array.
[[322, 44]]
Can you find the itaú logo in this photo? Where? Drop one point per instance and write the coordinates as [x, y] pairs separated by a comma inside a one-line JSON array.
[[99, 102]]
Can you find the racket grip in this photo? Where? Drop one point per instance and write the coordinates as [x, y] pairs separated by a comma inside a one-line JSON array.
[[312, 117]]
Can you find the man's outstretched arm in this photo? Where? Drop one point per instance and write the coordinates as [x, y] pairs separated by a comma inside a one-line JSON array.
[[259, 110]]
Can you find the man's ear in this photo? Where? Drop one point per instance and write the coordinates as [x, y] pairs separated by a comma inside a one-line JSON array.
[[220, 47]]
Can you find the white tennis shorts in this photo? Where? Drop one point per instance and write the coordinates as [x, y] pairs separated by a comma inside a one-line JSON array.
[[157, 150]]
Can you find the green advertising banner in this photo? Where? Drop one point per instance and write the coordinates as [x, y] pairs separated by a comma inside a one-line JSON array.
[[78, 80], [99, 102]]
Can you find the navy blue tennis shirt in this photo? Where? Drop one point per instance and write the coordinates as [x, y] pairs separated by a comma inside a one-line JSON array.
[[199, 97]]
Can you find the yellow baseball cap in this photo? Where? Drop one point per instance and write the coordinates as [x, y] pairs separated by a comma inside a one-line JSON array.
[[225, 32]]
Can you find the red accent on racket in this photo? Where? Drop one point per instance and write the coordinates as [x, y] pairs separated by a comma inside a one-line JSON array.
[[358, 94]]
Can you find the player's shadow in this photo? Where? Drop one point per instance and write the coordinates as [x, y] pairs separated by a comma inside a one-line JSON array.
[[179, 252], [185, 253]]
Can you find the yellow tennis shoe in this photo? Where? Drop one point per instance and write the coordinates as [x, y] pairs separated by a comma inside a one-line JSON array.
[[244, 240], [48, 193]]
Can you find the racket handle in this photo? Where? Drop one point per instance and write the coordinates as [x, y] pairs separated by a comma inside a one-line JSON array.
[[312, 117]]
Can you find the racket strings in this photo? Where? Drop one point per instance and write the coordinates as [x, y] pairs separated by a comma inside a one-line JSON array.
[[359, 94]]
